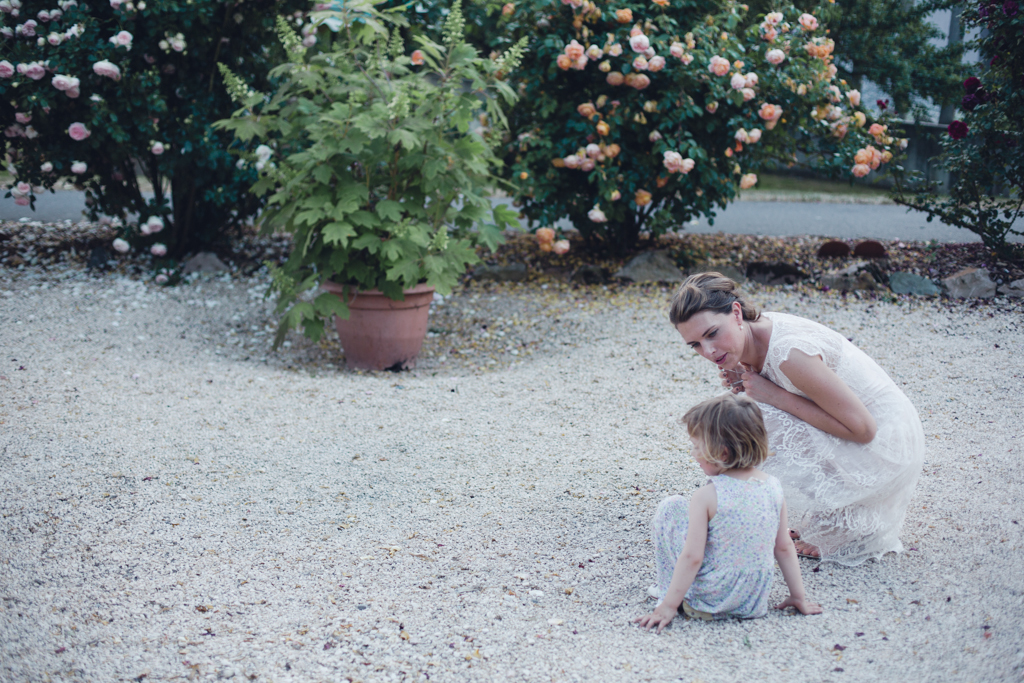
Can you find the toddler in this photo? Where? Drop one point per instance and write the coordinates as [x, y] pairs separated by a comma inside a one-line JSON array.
[[714, 555]]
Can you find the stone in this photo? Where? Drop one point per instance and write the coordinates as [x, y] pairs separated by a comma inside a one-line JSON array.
[[970, 283], [1014, 290], [870, 249], [205, 262], [98, 258], [513, 272], [651, 266], [856, 276], [777, 273], [833, 249], [908, 283], [590, 275]]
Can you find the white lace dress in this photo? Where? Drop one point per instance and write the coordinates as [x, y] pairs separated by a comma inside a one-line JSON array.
[[846, 498]]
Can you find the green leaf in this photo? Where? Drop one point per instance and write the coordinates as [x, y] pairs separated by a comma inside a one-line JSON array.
[[338, 232], [328, 304], [390, 210]]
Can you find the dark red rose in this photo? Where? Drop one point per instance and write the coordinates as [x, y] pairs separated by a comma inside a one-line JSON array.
[[957, 130], [972, 84], [1010, 8], [969, 102], [882, 104]]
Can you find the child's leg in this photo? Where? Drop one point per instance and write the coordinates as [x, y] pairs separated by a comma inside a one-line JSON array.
[[670, 524]]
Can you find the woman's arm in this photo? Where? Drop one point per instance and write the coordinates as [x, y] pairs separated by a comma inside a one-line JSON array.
[[831, 406], [689, 561], [785, 555]]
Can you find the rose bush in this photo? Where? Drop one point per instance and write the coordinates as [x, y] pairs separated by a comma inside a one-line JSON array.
[[109, 92], [655, 114], [983, 150]]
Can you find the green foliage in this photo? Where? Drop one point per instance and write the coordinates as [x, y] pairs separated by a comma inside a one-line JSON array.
[[373, 161], [983, 152], [684, 110], [166, 93], [888, 42]]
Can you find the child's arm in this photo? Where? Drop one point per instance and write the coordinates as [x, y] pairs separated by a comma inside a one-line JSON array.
[[785, 555], [689, 561]]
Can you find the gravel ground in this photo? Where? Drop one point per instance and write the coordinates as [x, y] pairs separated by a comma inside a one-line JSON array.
[[180, 502]]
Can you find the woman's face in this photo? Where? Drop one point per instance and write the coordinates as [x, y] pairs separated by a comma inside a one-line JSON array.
[[716, 336]]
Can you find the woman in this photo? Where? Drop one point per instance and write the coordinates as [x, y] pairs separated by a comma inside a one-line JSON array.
[[848, 444]]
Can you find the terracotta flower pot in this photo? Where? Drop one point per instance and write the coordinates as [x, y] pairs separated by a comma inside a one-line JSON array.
[[380, 333]]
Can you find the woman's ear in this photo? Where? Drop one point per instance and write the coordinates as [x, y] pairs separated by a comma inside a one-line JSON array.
[[737, 312]]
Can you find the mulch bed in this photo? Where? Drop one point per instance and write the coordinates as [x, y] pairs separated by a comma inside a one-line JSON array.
[[49, 244]]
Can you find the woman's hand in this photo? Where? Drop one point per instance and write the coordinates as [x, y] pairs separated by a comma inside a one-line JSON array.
[[660, 617], [744, 379], [802, 605]]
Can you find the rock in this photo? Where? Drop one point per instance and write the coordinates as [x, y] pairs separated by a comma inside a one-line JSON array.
[[513, 272], [733, 274], [205, 262], [853, 277], [777, 273], [590, 275], [1014, 290], [651, 266], [970, 283], [870, 249], [98, 259], [833, 249], [908, 283]]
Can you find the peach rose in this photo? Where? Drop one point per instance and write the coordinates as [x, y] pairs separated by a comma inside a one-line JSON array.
[[615, 195], [860, 119], [604, 66], [770, 34], [656, 63], [719, 66], [754, 135], [886, 156], [560, 247], [676, 50], [860, 170], [564, 62], [863, 156], [602, 128], [808, 22], [642, 197], [738, 82], [687, 58], [417, 57], [854, 97], [623, 16], [612, 150], [574, 50], [748, 94], [660, 3], [711, 107], [615, 50], [594, 52], [641, 81], [545, 236], [767, 111], [587, 109], [748, 181], [614, 78], [773, 18], [597, 215], [640, 63]]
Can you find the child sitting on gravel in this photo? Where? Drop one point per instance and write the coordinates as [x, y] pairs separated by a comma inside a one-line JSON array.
[[714, 555]]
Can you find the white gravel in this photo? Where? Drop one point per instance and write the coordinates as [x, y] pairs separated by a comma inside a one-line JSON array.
[[179, 502]]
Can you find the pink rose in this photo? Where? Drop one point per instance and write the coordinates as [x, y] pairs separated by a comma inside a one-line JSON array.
[[641, 81], [639, 43], [738, 82], [580, 63], [754, 135], [808, 22], [775, 56], [55, 39], [640, 63], [309, 41], [711, 107], [593, 150], [561, 246], [719, 66], [594, 52], [656, 63], [158, 250], [854, 97], [773, 18], [157, 148], [43, 16], [28, 29], [751, 79], [122, 39], [770, 34], [72, 92], [47, 167], [121, 246], [741, 136], [571, 161], [22, 118], [23, 187], [614, 78], [78, 131], [507, 9], [615, 195], [79, 167], [574, 50], [31, 133], [63, 82], [597, 216], [6, 69], [564, 62], [154, 225], [673, 161], [108, 69], [748, 181], [676, 50], [161, 279], [33, 70], [748, 94], [654, 136], [687, 58], [615, 50], [587, 164], [21, 201], [688, 165]]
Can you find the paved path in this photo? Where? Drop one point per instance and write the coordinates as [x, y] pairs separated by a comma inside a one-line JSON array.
[[847, 221]]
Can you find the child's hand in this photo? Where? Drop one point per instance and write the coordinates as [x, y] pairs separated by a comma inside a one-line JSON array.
[[660, 617], [803, 605]]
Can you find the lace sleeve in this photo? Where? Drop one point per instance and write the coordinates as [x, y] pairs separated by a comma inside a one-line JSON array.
[[791, 332]]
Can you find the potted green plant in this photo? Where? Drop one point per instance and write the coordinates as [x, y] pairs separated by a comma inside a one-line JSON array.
[[380, 165]]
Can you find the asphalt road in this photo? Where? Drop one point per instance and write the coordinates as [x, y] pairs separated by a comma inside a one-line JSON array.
[[844, 221]]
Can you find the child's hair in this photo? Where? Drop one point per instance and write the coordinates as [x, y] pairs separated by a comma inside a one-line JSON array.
[[708, 292], [732, 429]]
